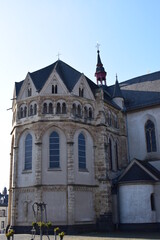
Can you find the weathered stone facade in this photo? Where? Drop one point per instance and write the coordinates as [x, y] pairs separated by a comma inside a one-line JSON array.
[[73, 196]]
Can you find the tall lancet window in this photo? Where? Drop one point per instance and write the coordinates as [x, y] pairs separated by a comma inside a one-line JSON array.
[[110, 154], [54, 153], [81, 151], [150, 136], [28, 153]]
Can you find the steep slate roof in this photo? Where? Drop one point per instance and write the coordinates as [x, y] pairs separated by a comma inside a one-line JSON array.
[[69, 76], [139, 170], [137, 92], [117, 91]]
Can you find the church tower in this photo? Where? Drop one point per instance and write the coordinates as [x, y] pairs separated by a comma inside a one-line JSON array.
[[100, 71]]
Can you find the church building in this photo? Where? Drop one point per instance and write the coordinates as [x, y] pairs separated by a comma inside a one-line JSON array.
[[89, 151]]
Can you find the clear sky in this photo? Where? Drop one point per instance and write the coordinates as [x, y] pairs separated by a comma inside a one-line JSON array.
[[33, 32]]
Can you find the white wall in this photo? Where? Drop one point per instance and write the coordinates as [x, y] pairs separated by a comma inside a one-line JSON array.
[[135, 205], [136, 133], [84, 210]]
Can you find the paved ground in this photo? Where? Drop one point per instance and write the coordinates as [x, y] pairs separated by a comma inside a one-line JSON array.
[[93, 236]]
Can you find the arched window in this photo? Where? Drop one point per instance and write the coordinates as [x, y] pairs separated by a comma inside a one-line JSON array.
[[81, 91], [85, 112], [115, 122], [25, 111], [116, 155], [150, 136], [74, 109], [50, 108], [35, 109], [54, 89], [58, 108], [29, 92], [90, 112], [28, 153], [31, 110], [45, 108], [79, 112], [64, 108], [109, 119], [110, 153], [81, 151], [54, 157], [21, 112]]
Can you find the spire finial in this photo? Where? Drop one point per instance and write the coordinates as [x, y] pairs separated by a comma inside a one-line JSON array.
[[97, 46], [58, 55], [116, 77]]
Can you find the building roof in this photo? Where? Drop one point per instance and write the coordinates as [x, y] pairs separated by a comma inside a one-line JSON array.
[[138, 170], [117, 91], [69, 76], [140, 92]]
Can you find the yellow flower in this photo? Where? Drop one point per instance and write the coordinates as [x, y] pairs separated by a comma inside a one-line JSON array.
[[56, 229], [61, 234]]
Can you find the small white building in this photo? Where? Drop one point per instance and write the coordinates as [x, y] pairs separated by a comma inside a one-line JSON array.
[[3, 211]]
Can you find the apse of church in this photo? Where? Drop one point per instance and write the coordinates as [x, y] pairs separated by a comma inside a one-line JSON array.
[[69, 143]]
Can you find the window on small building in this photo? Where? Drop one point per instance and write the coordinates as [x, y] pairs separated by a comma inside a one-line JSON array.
[[2, 213], [28, 153], [54, 152], [2, 224], [152, 199], [150, 136], [81, 151]]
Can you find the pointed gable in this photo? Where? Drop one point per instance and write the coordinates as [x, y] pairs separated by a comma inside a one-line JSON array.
[[138, 171], [40, 77], [68, 75], [26, 88], [83, 84]]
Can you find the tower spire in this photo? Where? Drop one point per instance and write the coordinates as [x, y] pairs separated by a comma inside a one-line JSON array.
[[100, 71]]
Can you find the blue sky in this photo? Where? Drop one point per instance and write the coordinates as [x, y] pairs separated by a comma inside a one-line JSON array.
[[33, 32]]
